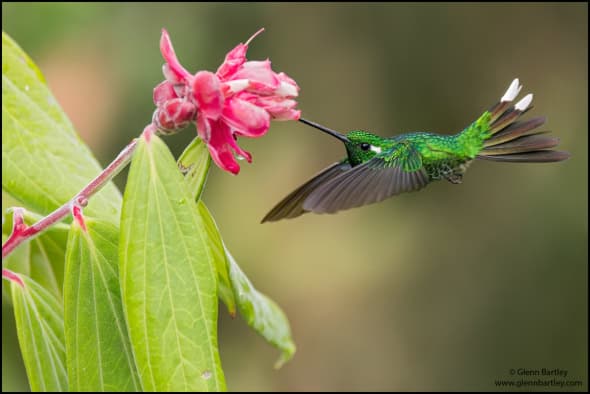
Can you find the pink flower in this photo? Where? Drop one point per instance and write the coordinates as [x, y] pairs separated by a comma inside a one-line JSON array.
[[240, 99]]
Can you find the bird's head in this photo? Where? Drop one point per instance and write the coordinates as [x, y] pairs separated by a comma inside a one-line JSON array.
[[361, 146]]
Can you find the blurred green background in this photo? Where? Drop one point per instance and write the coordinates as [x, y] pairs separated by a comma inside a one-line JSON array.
[[446, 289]]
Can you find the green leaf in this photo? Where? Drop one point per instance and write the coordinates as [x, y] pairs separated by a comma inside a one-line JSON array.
[[194, 162], [99, 355], [225, 290], [44, 162], [40, 328], [168, 278], [48, 259], [261, 313]]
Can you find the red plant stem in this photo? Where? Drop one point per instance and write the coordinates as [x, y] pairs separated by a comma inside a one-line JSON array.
[[11, 276], [22, 233]]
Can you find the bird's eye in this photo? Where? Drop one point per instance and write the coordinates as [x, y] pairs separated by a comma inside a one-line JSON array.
[[365, 146]]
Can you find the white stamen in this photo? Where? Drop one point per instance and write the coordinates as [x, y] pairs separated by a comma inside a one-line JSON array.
[[512, 91], [286, 90], [254, 36], [238, 85], [376, 149], [524, 103]]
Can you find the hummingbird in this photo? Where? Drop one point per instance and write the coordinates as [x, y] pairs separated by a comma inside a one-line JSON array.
[[376, 168]]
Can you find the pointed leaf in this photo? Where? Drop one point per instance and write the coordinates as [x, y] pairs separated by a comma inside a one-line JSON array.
[[99, 355], [168, 278], [194, 162], [261, 313], [225, 290], [44, 162], [39, 323], [48, 259]]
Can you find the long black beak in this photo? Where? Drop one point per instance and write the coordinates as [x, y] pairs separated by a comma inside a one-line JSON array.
[[326, 130]]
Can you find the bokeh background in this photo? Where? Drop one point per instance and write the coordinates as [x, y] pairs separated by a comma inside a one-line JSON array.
[[446, 289]]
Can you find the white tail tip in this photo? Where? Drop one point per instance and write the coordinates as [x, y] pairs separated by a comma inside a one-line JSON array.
[[512, 91], [523, 104]]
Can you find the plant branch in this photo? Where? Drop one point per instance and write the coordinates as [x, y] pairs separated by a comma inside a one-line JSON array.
[[21, 232]]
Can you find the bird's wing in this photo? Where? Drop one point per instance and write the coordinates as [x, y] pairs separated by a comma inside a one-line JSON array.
[[292, 205], [392, 172]]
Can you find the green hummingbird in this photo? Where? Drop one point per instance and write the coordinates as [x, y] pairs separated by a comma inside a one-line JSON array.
[[377, 168]]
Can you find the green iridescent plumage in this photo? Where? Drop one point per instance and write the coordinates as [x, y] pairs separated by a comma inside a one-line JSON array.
[[377, 168]]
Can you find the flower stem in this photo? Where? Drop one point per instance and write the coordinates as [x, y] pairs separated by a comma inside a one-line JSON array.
[[22, 232]]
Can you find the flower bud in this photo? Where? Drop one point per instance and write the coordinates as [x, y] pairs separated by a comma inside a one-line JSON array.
[[174, 115]]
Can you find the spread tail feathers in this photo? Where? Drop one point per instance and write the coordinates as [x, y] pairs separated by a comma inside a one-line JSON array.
[[516, 140]]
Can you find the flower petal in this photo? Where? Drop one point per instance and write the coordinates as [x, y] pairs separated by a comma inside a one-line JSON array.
[[245, 118], [224, 159], [287, 90], [207, 93], [291, 114], [173, 70], [285, 78], [279, 108], [163, 92], [288, 87], [203, 127], [220, 148], [234, 59], [262, 79], [239, 151]]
